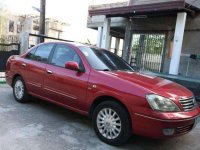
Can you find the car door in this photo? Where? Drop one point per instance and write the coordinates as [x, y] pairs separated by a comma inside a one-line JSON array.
[[62, 85], [33, 68]]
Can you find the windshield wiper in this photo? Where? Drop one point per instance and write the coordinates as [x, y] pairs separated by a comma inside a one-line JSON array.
[[124, 70], [106, 70]]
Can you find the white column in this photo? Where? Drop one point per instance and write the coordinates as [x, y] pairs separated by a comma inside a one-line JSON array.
[[109, 43], [99, 36], [106, 34], [24, 41], [117, 41], [178, 41], [126, 53]]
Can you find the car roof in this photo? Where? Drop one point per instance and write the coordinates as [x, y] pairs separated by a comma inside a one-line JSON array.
[[78, 44]]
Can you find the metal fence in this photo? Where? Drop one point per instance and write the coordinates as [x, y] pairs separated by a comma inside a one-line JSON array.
[[34, 39], [6, 51], [147, 52], [9, 45]]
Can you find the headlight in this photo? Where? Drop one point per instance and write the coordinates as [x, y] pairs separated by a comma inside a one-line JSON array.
[[161, 103]]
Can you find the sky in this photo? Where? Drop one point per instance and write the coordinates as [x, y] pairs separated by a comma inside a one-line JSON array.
[[73, 12]]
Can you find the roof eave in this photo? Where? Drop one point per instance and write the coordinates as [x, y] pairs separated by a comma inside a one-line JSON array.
[[164, 7]]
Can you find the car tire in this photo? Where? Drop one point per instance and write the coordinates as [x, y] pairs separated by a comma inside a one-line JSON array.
[[19, 90], [111, 123]]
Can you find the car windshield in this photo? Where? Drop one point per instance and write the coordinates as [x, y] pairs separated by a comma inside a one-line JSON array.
[[101, 59]]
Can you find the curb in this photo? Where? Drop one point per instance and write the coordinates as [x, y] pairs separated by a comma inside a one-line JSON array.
[[2, 82]]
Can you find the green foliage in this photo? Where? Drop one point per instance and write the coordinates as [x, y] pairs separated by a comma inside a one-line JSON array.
[[152, 44], [147, 51]]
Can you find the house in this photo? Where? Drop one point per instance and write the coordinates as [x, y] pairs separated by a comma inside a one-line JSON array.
[[11, 26], [157, 35]]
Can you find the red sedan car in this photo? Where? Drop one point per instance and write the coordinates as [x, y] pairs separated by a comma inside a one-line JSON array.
[[97, 83]]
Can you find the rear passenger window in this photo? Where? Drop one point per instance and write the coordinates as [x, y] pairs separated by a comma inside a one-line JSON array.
[[31, 54], [42, 53]]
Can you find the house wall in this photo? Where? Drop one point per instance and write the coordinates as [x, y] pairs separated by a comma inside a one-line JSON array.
[[5, 23], [195, 3], [96, 21]]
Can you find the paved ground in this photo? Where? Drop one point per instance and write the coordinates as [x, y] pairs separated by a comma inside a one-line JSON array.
[[42, 126]]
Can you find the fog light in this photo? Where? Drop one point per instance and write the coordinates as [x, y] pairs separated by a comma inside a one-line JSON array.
[[168, 132]]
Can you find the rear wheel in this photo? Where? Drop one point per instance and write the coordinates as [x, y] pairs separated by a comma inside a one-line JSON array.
[[111, 123], [19, 90]]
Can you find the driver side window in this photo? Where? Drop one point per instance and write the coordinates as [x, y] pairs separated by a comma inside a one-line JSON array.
[[64, 54]]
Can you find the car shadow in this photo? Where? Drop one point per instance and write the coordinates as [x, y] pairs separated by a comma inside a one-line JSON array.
[[59, 110]]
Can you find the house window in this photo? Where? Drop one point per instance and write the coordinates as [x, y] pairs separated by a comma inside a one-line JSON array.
[[19, 28], [11, 26], [35, 27]]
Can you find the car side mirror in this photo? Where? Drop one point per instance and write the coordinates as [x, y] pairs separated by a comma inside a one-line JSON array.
[[72, 65]]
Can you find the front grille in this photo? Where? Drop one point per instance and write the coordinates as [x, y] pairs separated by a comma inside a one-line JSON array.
[[188, 104], [183, 129]]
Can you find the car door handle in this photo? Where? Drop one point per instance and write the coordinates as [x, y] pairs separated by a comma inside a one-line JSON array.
[[49, 72], [23, 65]]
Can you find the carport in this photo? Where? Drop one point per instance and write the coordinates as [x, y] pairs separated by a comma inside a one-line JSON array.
[[131, 13]]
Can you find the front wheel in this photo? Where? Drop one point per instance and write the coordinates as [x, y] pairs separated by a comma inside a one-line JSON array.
[[111, 123], [19, 91]]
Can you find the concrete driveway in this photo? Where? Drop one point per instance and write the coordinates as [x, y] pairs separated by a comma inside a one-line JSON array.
[[42, 126]]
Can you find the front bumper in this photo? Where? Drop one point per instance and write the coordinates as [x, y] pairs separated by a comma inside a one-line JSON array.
[[154, 126]]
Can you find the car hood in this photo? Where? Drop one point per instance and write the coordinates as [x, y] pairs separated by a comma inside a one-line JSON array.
[[153, 84]]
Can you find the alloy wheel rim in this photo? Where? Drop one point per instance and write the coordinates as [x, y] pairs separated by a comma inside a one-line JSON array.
[[109, 123], [19, 89]]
